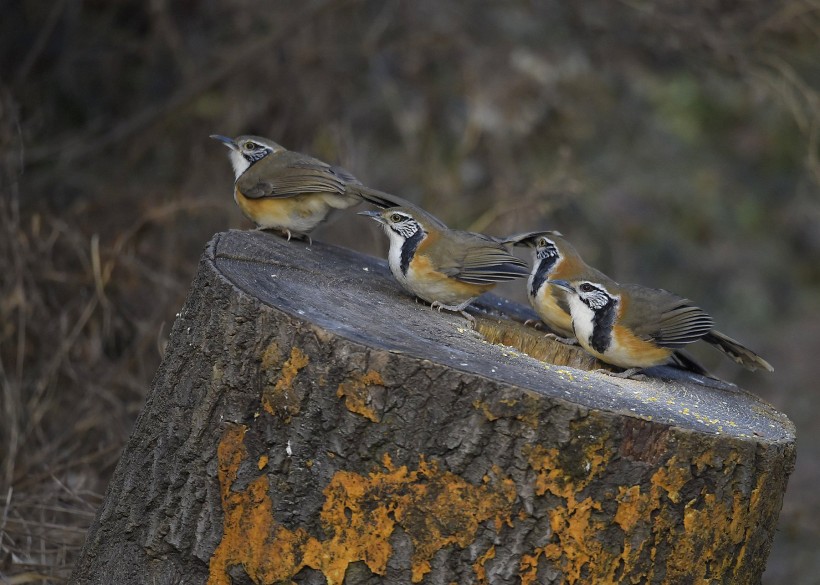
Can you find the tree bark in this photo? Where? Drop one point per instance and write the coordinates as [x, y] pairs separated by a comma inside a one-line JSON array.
[[311, 423]]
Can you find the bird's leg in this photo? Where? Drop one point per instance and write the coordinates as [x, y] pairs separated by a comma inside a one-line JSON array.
[[537, 324], [455, 308], [628, 373], [564, 340], [467, 316], [283, 232]]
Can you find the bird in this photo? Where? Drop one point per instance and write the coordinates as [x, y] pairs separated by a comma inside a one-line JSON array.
[[636, 327], [445, 267], [554, 257], [290, 192]]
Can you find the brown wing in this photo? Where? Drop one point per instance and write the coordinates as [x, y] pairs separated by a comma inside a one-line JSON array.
[[288, 174], [477, 259], [664, 317]]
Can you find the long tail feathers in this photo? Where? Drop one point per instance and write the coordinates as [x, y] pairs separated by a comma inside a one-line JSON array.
[[379, 198], [742, 355], [684, 361]]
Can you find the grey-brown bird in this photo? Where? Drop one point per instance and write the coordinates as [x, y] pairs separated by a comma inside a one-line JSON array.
[[447, 268], [291, 192], [636, 327], [553, 258]]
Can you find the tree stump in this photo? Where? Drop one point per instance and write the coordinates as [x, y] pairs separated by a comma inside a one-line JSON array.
[[311, 423]]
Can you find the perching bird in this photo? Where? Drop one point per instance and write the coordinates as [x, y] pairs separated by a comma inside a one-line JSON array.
[[291, 192], [447, 268], [635, 327], [553, 258]]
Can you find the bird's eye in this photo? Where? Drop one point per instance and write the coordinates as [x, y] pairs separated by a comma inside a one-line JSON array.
[[586, 287], [542, 243], [395, 217], [250, 146]]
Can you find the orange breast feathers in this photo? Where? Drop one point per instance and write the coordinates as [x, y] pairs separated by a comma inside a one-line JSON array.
[[431, 285], [546, 305], [547, 300], [300, 213], [629, 351]]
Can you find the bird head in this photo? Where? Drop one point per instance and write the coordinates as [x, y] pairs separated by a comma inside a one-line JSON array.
[[400, 223], [594, 295], [246, 150]]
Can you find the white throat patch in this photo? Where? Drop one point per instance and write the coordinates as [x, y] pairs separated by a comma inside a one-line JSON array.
[[582, 318], [239, 162]]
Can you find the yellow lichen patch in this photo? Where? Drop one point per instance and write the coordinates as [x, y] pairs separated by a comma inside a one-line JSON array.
[[479, 568], [485, 409], [575, 547], [527, 410], [271, 356], [553, 475], [356, 394], [711, 527], [672, 478], [631, 507], [250, 536], [666, 520], [280, 398], [435, 508], [652, 516]]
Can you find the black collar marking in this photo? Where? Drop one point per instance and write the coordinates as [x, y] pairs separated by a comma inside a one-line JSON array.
[[408, 249], [542, 273], [602, 323]]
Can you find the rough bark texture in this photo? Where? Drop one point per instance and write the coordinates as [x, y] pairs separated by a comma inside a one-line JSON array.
[[311, 423]]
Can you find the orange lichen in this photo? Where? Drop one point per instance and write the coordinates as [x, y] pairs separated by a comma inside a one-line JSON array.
[[598, 533], [479, 565], [356, 394], [249, 530], [485, 409], [526, 410], [630, 507], [271, 356], [672, 478], [263, 461], [435, 508], [574, 532], [712, 528], [280, 398]]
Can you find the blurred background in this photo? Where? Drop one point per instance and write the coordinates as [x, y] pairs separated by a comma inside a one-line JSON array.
[[675, 143]]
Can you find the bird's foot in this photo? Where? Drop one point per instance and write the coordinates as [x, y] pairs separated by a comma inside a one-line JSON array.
[[469, 317], [288, 235], [564, 340], [438, 305], [630, 373]]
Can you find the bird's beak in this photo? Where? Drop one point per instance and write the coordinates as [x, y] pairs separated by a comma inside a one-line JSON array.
[[229, 142], [564, 284], [373, 215]]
